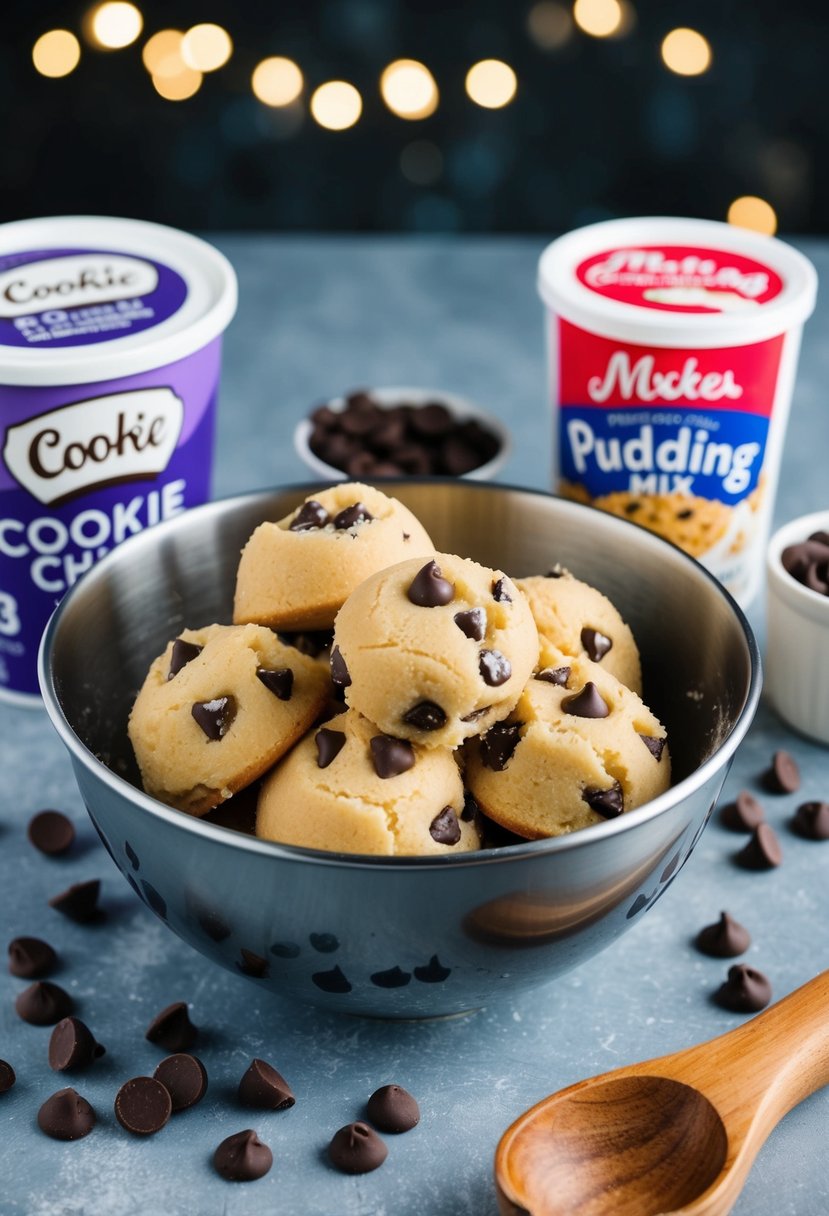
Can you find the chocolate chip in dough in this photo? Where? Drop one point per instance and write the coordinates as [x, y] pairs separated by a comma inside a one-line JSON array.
[[66, 1116], [554, 675], [72, 1045], [596, 644], [143, 1106], [393, 1109], [181, 654], [472, 623], [30, 958], [339, 672], [265, 1088], [726, 938], [811, 820], [357, 1149], [744, 814], [444, 828], [500, 593], [495, 668], [607, 803], [655, 746], [215, 716], [425, 715], [349, 516], [588, 702], [43, 1003], [172, 1028], [329, 745], [310, 516], [51, 832], [745, 991], [185, 1079], [279, 681], [391, 756], [783, 777], [498, 744], [763, 851], [429, 589]]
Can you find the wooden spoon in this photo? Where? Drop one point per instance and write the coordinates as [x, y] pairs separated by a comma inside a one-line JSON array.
[[677, 1134]]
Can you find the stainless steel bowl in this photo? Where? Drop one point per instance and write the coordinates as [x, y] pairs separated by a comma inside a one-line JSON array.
[[416, 937]]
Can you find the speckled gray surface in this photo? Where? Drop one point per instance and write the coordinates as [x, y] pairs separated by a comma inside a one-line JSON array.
[[317, 315]]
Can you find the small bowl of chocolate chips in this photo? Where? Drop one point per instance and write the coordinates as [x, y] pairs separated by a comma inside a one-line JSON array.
[[797, 652], [399, 432]]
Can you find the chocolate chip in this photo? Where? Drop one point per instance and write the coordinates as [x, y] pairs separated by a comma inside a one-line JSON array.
[[30, 958], [429, 589], [433, 972], [279, 681], [596, 644], [242, 1157], [66, 1116], [325, 943], [143, 1106], [393, 978], [349, 516], [783, 777], [172, 1028], [329, 745], [426, 715], [476, 714], [391, 756], [811, 820], [654, 745], [763, 850], [72, 1045], [745, 990], [331, 981], [498, 744], [588, 702], [185, 1079], [808, 562], [357, 1149], [607, 803], [43, 1003], [311, 515], [444, 828], [79, 902], [7, 1076], [554, 675], [339, 672], [724, 939], [215, 717], [459, 457], [557, 571], [744, 814], [470, 807], [181, 654], [432, 419], [500, 593], [495, 668], [264, 1088], [392, 1109], [51, 832], [472, 623]]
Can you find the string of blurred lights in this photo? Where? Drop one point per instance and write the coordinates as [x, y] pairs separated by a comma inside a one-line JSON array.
[[177, 61]]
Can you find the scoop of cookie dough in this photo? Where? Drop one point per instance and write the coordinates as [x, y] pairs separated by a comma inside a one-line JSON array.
[[434, 651], [347, 787], [217, 709], [580, 621], [296, 573], [579, 748]]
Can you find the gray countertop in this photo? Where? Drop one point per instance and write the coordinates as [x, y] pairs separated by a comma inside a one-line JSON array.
[[318, 315]]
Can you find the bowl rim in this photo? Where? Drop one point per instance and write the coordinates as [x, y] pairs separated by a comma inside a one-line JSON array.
[[180, 820], [389, 396]]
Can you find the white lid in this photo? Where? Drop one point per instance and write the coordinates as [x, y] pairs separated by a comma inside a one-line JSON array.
[[660, 281], [134, 296]]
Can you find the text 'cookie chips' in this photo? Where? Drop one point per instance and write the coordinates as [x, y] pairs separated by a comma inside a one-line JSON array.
[[673, 347]]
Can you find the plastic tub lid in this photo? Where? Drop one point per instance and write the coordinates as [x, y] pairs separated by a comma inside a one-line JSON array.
[[663, 281], [91, 298]]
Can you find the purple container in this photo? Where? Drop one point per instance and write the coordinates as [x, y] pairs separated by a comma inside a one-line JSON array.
[[110, 350]]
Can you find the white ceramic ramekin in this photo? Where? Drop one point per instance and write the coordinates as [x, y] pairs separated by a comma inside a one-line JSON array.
[[797, 651]]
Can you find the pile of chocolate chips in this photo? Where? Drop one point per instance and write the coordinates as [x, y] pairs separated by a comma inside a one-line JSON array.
[[366, 439], [808, 562]]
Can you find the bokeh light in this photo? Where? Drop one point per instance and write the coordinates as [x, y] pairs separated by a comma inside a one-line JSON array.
[[180, 86], [549, 24], [409, 90], [491, 83], [599, 18], [277, 81], [56, 53], [336, 105], [162, 54], [754, 213], [206, 47], [421, 162], [115, 24], [686, 52]]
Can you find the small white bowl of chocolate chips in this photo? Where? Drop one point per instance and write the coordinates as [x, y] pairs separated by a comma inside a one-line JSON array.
[[399, 432]]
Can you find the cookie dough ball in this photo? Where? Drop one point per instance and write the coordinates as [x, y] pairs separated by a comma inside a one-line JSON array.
[[580, 748], [581, 622], [434, 651], [349, 788], [295, 574], [217, 709]]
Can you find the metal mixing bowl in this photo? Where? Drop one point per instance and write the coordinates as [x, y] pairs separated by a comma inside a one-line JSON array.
[[401, 937]]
